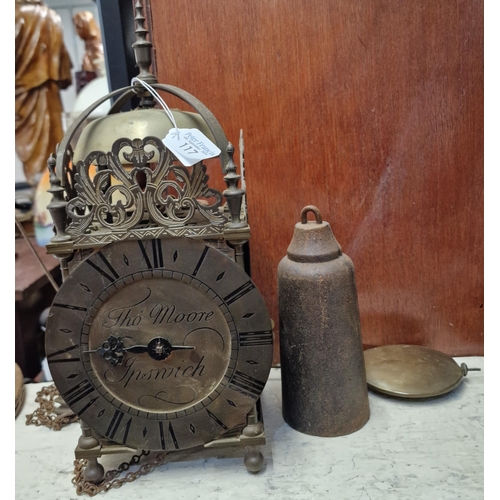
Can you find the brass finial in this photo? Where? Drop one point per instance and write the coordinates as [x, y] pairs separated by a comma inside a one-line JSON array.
[[57, 206], [233, 194], [142, 48]]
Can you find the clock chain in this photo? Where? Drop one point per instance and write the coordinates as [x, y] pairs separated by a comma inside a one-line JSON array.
[[54, 414], [111, 479]]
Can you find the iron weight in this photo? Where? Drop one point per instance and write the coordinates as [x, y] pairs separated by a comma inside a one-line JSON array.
[[324, 385]]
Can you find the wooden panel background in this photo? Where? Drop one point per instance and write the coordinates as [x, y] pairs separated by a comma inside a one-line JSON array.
[[372, 111]]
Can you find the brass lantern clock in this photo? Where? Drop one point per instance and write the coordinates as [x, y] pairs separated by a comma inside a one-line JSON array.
[[157, 339]]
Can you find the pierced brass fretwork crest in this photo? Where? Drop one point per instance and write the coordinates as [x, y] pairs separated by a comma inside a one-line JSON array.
[[122, 189]]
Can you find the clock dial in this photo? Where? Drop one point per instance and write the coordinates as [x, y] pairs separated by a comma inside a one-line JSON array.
[[159, 344], [176, 343]]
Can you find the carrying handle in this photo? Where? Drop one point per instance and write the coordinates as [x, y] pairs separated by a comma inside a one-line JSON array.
[[314, 210]]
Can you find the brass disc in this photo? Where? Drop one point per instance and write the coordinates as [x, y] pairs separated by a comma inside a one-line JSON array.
[[20, 391], [411, 371]]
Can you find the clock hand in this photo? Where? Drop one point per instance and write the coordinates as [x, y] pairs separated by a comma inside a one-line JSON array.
[[158, 348], [138, 349]]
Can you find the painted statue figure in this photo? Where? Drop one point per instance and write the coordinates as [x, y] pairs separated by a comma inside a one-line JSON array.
[[88, 30], [43, 68]]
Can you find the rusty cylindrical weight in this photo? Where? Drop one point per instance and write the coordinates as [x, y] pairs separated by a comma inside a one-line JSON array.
[[322, 365]]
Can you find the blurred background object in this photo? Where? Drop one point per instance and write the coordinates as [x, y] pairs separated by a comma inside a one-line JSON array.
[[43, 67], [93, 59], [75, 46]]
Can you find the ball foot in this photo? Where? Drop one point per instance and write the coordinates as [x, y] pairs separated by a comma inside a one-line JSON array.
[[254, 460], [94, 471]]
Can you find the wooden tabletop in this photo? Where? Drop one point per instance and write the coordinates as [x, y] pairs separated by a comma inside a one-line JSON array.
[[30, 275]]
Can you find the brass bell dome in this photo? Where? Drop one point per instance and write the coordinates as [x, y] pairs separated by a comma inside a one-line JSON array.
[[100, 134]]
